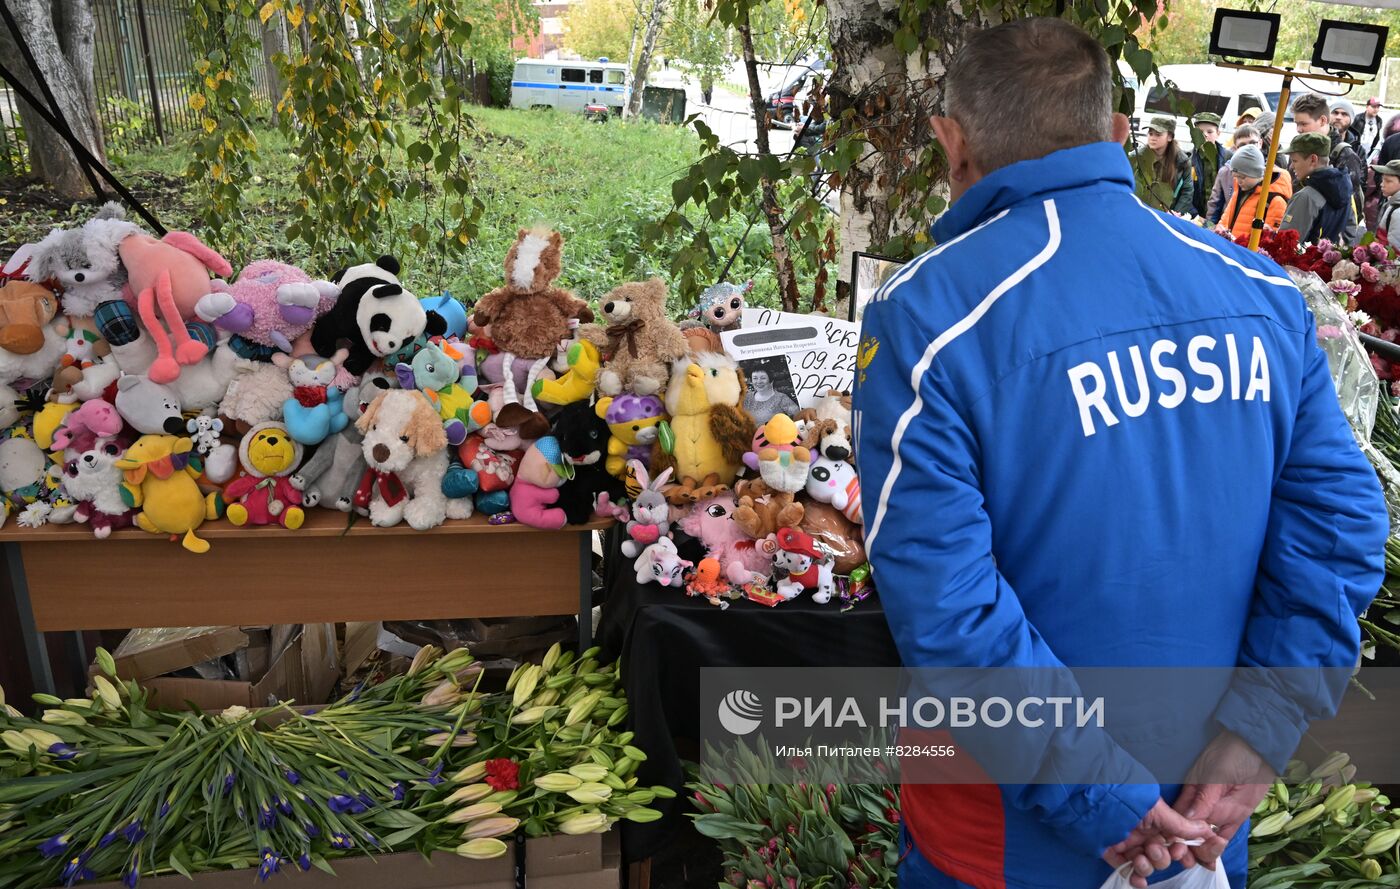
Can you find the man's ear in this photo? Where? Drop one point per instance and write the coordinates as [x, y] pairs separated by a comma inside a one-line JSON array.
[[1121, 126], [954, 142]]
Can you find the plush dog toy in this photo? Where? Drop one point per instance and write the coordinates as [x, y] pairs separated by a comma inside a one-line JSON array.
[[661, 563], [405, 454], [643, 341], [160, 474], [799, 565], [271, 304], [263, 495], [314, 412]]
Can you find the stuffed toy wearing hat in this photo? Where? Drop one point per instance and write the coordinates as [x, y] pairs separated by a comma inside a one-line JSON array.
[[642, 340], [271, 304], [798, 565], [263, 495], [634, 424], [541, 473], [160, 473]]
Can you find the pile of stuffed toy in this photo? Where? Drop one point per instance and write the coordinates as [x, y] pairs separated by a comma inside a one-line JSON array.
[[142, 383]]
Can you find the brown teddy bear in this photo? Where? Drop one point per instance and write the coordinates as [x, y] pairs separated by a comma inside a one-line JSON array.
[[642, 340], [529, 317], [762, 511]]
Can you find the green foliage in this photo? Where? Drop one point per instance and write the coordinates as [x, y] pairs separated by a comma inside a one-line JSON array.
[[597, 28], [124, 126], [697, 44], [1181, 35], [500, 68]]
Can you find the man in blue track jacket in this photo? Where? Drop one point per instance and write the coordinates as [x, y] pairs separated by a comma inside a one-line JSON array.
[[1090, 434]]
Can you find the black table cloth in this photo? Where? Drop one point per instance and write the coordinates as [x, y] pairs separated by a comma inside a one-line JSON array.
[[665, 638]]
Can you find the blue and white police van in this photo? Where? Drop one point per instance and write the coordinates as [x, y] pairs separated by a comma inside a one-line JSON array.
[[568, 85]]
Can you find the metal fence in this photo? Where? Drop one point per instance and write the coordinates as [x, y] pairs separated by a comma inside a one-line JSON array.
[[142, 69]]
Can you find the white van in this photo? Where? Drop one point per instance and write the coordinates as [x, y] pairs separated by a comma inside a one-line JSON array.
[[568, 85], [1208, 88]]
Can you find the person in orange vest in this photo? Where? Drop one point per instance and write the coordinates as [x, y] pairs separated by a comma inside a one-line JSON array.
[[1247, 166]]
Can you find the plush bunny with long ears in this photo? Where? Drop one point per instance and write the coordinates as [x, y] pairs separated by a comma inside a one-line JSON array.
[[651, 514]]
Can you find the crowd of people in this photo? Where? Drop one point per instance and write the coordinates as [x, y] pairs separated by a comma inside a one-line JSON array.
[[1337, 179]]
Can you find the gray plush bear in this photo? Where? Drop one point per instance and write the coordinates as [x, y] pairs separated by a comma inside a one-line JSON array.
[[330, 476]]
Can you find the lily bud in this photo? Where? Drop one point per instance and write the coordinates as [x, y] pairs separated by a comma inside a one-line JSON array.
[[558, 782], [1271, 825], [444, 694], [1305, 818], [1371, 869], [424, 656], [491, 827], [482, 848], [1340, 798], [470, 793], [587, 822], [106, 662], [526, 686], [454, 660], [41, 739], [580, 711], [474, 772], [44, 700], [551, 657], [530, 716], [588, 771], [107, 693], [1381, 842], [63, 717], [471, 813], [591, 793], [16, 742], [642, 815]]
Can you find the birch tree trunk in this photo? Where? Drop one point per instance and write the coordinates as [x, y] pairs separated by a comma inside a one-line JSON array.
[[274, 42], [777, 228], [892, 95], [639, 75], [66, 63]]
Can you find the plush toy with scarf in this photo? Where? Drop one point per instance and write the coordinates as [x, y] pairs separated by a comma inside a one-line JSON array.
[[314, 412], [441, 373], [405, 454], [642, 340], [263, 495], [160, 474]]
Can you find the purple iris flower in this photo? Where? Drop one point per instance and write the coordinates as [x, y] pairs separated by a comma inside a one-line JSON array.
[[398, 792], [285, 805], [76, 870], [133, 832], [228, 783], [164, 809], [435, 776], [266, 817], [292, 777], [107, 840], [63, 752], [270, 862], [54, 846], [131, 878], [312, 831], [304, 862], [341, 841]]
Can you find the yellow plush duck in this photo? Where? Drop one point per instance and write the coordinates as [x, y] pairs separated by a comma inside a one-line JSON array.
[[159, 479], [578, 382]]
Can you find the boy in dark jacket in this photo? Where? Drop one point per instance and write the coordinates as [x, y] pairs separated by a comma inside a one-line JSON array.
[[1321, 208], [1207, 162]]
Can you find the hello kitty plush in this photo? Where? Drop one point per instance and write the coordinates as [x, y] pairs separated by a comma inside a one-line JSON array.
[[661, 563]]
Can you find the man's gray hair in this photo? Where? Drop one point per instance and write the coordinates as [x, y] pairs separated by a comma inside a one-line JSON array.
[[1245, 131], [1028, 88]]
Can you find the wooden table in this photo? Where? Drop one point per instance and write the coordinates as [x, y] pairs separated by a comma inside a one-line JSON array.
[[64, 579]]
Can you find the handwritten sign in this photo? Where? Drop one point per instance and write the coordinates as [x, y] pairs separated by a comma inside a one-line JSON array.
[[820, 352]]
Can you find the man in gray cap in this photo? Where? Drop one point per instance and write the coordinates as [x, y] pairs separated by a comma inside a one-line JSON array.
[[1207, 160], [1342, 115], [1322, 205]]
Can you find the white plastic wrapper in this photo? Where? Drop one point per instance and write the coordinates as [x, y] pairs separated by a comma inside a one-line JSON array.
[[1191, 878], [1358, 389]]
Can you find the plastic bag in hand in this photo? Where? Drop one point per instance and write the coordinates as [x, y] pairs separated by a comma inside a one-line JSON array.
[[1191, 878]]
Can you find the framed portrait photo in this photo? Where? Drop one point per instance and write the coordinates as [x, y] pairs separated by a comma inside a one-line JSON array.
[[869, 273]]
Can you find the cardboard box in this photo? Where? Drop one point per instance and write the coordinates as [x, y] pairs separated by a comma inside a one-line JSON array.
[[306, 671], [147, 653], [558, 862]]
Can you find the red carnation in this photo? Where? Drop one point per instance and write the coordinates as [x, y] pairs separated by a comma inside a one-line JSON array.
[[503, 774]]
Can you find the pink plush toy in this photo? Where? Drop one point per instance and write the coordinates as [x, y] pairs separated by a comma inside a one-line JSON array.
[[165, 280], [661, 563], [91, 477], [542, 471], [271, 304], [95, 417], [711, 522]]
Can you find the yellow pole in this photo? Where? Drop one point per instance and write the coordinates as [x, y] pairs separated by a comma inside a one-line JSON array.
[[1257, 231]]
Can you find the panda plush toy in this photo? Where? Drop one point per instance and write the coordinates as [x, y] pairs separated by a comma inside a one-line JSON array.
[[375, 315]]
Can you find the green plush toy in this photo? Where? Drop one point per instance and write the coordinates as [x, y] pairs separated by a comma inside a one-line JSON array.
[[439, 371]]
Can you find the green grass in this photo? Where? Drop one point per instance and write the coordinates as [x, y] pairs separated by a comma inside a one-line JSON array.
[[598, 184]]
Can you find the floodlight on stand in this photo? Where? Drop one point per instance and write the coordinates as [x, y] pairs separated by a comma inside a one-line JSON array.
[[1349, 46], [1243, 34]]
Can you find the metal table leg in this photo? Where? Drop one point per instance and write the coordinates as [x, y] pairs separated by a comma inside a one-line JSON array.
[[585, 590], [35, 650]]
